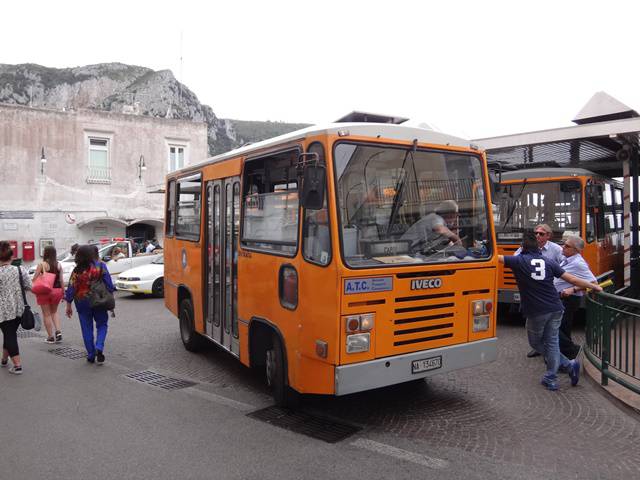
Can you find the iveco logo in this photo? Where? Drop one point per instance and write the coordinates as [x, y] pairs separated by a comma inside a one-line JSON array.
[[426, 283]]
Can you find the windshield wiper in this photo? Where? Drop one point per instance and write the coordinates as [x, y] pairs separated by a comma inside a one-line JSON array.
[[515, 202], [397, 197]]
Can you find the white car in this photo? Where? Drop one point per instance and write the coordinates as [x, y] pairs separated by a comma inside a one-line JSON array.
[[144, 279]]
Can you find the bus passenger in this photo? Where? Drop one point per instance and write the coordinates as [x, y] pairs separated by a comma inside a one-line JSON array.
[[440, 225], [571, 296], [541, 306]]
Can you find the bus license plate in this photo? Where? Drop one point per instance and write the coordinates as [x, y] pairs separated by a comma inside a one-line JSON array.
[[426, 364], [516, 297]]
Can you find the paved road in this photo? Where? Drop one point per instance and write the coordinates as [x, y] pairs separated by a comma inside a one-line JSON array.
[[69, 419]]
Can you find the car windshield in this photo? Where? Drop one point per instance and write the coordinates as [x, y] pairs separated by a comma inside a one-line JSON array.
[[159, 260], [64, 257], [524, 205], [410, 206]]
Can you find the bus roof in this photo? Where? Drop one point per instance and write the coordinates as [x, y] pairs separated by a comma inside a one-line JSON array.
[[374, 130], [549, 172]]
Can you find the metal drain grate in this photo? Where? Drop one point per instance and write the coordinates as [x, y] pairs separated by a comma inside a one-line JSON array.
[[69, 352], [159, 380], [325, 429], [27, 333]]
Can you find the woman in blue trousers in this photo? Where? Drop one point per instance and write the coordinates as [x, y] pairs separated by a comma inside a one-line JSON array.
[[84, 274]]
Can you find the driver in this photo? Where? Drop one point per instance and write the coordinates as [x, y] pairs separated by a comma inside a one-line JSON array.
[[435, 225]]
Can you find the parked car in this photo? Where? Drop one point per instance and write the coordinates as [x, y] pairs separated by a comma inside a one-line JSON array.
[[116, 267], [145, 279]]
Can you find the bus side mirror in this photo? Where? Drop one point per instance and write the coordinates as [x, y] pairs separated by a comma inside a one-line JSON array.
[[593, 194], [313, 182], [497, 190]]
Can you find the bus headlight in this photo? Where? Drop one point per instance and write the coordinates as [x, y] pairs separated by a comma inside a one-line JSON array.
[[358, 342], [481, 323]]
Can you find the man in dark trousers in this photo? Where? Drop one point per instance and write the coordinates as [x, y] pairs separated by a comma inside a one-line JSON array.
[[541, 306]]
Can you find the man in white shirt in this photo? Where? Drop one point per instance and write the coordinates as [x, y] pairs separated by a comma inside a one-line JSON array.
[[149, 247], [576, 265], [549, 250]]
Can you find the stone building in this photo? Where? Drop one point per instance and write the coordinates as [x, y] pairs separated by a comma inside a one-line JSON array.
[[81, 176]]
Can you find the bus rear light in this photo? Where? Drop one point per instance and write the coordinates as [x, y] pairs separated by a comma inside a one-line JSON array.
[[359, 323], [358, 343], [322, 348], [488, 306], [481, 323]]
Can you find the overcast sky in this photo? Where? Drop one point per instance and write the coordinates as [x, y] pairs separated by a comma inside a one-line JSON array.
[[473, 68]]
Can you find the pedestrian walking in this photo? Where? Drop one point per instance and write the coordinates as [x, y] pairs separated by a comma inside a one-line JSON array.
[[84, 274], [49, 302], [570, 295], [541, 306], [11, 307]]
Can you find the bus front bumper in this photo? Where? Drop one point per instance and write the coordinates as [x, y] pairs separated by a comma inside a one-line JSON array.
[[386, 371], [508, 296]]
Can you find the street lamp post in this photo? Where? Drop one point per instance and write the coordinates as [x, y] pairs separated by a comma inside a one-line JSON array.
[[43, 160], [141, 167]]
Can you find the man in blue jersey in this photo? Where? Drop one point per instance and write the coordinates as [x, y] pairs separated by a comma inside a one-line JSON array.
[[541, 306]]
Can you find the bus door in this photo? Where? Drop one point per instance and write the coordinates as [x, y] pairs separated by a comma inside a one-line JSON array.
[[221, 263]]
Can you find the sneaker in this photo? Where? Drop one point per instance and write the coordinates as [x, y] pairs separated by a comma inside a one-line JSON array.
[[91, 360], [533, 353], [99, 357], [550, 384], [4, 363], [58, 336], [50, 340], [16, 370], [574, 372]]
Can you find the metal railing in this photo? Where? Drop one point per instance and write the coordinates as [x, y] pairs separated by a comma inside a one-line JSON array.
[[98, 174], [612, 342]]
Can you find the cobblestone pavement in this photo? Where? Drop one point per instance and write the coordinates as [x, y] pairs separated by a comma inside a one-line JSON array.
[[499, 412]]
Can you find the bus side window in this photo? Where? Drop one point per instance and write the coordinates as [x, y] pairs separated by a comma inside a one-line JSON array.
[[609, 216]]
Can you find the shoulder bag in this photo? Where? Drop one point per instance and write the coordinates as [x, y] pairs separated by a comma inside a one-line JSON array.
[[28, 320], [99, 295], [43, 285]]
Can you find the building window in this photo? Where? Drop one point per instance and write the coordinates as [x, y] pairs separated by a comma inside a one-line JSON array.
[[176, 157], [98, 161]]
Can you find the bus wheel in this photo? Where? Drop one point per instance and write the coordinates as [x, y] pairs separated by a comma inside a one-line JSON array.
[[157, 289], [189, 336], [275, 369]]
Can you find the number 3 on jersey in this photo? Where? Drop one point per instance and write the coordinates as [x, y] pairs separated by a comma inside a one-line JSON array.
[[539, 273]]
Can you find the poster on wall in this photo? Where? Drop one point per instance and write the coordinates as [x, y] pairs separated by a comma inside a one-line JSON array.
[[46, 242]]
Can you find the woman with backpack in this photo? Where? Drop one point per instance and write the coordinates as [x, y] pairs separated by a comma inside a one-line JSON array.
[[11, 307], [49, 302], [83, 276]]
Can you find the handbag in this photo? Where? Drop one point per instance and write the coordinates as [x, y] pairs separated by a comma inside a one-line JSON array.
[[28, 318], [43, 285], [100, 297]]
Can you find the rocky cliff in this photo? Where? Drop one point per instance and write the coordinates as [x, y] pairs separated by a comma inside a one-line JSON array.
[[127, 89]]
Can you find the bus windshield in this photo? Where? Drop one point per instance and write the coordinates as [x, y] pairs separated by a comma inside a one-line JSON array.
[[525, 205], [400, 205]]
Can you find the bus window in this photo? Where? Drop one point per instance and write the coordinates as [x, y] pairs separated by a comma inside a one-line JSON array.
[[528, 204], [316, 238], [171, 209], [397, 205], [270, 204], [619, 207], [188, 208], [609, 215]]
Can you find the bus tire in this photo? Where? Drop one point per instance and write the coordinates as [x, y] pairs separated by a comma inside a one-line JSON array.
[[276, 374], [157, 289], [190, 338]]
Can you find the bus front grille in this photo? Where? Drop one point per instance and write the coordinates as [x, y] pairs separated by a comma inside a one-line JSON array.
[[423, 319]]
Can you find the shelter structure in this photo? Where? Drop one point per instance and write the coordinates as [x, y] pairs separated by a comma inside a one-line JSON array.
[[603, 140]]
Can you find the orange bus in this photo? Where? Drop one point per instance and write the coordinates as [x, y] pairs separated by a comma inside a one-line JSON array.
[[572, 201], [294, 255]]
